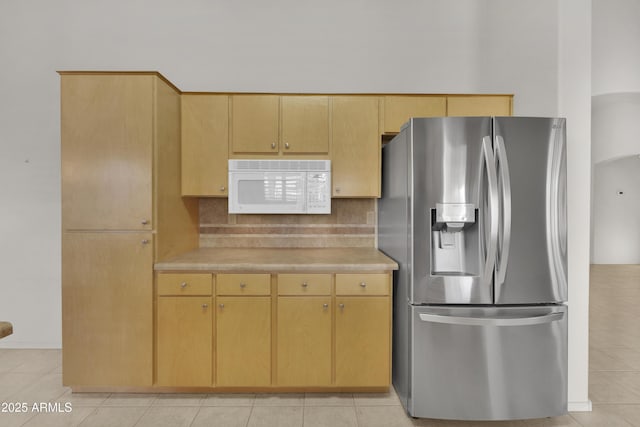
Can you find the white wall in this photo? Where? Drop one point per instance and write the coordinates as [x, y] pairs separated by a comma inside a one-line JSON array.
[[575, 104], [615, 129], [616, 46], [492, 46], [616, 217]]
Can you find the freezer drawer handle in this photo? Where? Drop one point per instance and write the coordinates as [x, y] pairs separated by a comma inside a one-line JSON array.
[[492, 321]]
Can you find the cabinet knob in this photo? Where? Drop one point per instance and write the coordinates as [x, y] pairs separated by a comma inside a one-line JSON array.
[[222, 189], [205, 305], [243, 285], [341, 306], [273, 145], [183, 285], [145, 241], [305, 284], [145, 221], [286, 145], [363, 284], [337, 189], [325, 306], [221, 305]]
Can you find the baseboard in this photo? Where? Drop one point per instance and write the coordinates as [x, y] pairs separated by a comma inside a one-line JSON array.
[[580, 406], [10, 344]]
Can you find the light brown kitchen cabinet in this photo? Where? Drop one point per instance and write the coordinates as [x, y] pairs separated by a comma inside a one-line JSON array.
[[255, 124], [182, 284], [121, 211], [363, 329], [243, 284], [205, 144], [279, 125], [398, 109], [243, 341], [355, 146], [107, 297], [184, 327], [107, 152], [304, 341], [305, 124], [362, 341], [479, 105], [184, 341]]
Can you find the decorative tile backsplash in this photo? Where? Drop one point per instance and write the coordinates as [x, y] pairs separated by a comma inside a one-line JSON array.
[[350, 224]]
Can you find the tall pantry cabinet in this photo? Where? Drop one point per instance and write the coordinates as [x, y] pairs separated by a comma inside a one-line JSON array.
[[121, 212]]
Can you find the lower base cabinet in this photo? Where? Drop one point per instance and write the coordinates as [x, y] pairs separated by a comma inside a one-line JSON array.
[[304, 341], [363, 333], [262, 331], [243, 341], [184, 344]]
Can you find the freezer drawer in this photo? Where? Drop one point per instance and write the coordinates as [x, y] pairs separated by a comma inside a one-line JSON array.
[[488, 363]]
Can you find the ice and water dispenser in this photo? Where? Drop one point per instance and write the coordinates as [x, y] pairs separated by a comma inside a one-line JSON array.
[[454, 238]]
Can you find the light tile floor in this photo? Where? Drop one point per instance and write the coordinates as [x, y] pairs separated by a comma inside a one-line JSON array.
[[35, 376]]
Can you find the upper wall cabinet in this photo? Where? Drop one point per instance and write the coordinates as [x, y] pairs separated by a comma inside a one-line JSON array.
[[305, 124], [107, 151], [479, 105], [398, 109], [355, 146], [205, 136], [254, 124], [279, 125]]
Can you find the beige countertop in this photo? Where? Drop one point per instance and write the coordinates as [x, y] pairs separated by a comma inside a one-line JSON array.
[[279, 259]]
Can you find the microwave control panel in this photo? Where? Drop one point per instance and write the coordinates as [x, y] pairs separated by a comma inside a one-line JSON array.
[[319, 192]]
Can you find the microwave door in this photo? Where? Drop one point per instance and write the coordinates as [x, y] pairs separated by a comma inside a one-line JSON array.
[[266, 192]]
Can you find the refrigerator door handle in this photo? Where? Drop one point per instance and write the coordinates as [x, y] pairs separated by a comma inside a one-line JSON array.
[[556, 210], [492, 321], [493, 215], [504, 230]]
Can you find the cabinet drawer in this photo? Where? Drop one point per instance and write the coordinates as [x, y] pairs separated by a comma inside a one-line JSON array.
[[362, 284], [304, 284], [185, 284], [243, 284]]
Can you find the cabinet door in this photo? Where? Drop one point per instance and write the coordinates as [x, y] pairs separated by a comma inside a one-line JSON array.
[[107, 319], [479, 105], [243, 341], [304, 341], [205, 144], [363, 332], [106, 152], [184, 341], [254, 124], [355, 146], [305, 124], [398, 109]]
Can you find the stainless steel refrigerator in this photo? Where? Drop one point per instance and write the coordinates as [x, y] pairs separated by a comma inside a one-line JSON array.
[[473, 209]]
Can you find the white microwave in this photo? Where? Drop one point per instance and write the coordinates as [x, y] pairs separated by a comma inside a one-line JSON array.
[[280, 186]]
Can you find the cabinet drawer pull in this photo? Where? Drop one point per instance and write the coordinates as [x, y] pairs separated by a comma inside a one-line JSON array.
[[273, 145], [183, 285], [221, 305], [222, 189], [341, 306], [145, 221], [243, 285], [304, 284], [205, 305], [325, 306], [145, 241], [286, 145], [363, 284]]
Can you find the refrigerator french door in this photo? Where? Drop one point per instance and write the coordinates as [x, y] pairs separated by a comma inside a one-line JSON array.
[[474, 212]]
